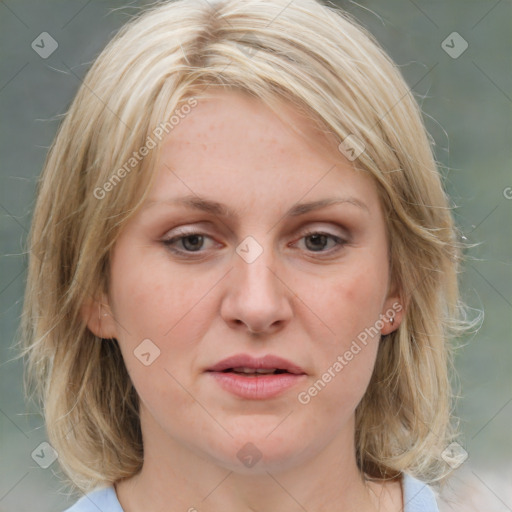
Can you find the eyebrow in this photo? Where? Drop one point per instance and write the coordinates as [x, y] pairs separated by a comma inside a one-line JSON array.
[[216, 208]]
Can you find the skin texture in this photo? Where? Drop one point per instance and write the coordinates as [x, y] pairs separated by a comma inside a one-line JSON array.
[[292, 301]]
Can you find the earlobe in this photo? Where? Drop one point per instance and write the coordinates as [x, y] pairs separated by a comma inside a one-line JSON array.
[[392, 315], [390, 325], [99, 318]]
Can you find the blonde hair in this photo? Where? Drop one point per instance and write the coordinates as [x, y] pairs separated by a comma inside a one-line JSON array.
[[317, 59]]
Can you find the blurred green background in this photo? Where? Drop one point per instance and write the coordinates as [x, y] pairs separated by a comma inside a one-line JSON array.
[[467, 105]]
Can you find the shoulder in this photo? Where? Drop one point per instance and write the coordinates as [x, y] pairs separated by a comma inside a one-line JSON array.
[[103, 499], [418, 496]]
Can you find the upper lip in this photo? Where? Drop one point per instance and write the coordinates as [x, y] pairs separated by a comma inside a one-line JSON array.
[[247, 361]]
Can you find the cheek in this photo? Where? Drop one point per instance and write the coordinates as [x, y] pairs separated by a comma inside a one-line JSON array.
[[352, 299], [153, 300], [350, 303], [152, 296]]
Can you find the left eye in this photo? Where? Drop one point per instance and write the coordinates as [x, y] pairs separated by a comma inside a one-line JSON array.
[[318, 242]]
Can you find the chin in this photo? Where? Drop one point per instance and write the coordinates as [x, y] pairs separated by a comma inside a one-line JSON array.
[[258, 452]]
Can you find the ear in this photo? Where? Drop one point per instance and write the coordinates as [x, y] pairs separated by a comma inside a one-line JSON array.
[[99, 318], [392, 311]]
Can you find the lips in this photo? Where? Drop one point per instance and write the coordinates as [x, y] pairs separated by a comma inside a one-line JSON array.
[[244, 364], [252, 378]]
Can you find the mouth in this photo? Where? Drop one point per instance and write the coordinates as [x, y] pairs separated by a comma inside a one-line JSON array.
[[254, 372], [247, 365], [256, 378]]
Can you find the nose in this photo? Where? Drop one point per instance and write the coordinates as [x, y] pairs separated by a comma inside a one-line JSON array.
[[256, 300]]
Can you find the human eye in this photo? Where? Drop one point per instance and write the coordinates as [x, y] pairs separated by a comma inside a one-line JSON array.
[[188, 242], [322, 242]]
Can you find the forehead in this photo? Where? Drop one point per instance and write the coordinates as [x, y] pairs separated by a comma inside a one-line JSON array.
[[232, 146], [223, 116]]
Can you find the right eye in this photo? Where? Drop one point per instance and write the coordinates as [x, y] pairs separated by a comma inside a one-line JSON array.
[[187, 242]]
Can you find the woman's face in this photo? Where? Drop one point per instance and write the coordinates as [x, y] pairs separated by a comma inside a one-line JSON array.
[[254, 242]]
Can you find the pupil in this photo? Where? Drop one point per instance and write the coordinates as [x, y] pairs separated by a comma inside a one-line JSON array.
[[197, 241], [316, 239]]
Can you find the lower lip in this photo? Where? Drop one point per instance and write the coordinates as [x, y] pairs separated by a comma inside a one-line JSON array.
[[257, 388]]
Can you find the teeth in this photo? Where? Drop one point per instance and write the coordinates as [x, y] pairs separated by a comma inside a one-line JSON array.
[[254, 370]]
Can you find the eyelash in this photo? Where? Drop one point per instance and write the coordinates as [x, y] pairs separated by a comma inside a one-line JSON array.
[[340, 242]]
